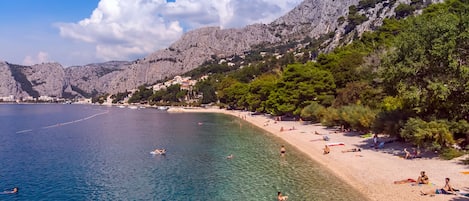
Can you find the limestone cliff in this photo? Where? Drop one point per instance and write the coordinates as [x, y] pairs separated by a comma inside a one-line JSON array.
[[312, 18]]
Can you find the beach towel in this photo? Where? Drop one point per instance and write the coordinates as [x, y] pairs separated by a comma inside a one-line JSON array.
[[465, 172], [335, 143]]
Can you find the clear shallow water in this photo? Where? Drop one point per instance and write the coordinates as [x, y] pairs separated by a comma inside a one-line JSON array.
[[82, 152]]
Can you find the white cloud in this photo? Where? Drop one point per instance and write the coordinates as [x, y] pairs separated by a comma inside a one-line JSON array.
[[41, 57], [127, 29]]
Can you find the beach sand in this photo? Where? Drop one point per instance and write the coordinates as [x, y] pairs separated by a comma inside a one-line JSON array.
[[371, 171]]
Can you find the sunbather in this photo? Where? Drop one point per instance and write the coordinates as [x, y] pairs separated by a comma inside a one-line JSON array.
[[405, 181], [447, 189], [423, 178]]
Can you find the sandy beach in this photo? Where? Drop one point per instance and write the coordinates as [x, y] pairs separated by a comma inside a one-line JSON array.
[[371, 171]]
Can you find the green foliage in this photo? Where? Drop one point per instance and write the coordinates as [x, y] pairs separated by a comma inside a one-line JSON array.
[[299, 84], [465, 161], [358, 93], [207, 89], [312, 112], [391, 103], [343, 64], [234, 95], [365, 4], [341, 20], [119, 97], [141, 95], [330, 117], [428, 67], [450, 153], [354, 18], [357, 117], [390, 122], [259, 92], [403, 10], [434, 134]]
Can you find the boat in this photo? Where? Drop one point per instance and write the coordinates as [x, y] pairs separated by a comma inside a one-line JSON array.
[[133, 107], [162, 108]]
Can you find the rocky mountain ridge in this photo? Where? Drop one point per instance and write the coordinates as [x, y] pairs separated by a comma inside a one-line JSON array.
[[312, 18]]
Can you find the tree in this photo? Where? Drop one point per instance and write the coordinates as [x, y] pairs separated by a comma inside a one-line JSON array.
[[207, 90], [259, 92], [427, 69], [300, 84]]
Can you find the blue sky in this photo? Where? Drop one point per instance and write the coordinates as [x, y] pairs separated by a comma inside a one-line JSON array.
[[80, 32]]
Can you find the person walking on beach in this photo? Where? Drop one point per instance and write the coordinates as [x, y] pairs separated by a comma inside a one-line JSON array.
[[282, 150]]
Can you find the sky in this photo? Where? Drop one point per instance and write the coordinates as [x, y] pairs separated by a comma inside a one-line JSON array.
[[81, 32]]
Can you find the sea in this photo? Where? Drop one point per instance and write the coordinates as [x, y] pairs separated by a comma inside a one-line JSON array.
[[88, 152]]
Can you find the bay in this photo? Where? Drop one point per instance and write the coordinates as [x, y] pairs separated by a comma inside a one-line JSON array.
[[86, 152]]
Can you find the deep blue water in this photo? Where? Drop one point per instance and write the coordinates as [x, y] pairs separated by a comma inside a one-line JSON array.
[[85, 152]]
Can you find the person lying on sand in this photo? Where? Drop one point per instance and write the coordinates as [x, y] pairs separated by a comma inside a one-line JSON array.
[[447, 189], [423, 178], [351, 150], [405, 181]]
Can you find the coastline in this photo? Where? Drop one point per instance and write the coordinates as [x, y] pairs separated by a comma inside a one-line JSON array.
[[370, 171]]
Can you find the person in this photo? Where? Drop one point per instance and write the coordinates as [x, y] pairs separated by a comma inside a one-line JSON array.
[[407, 153], [375, 140], [13, 191], [160, 151], [423, 178], [230, 156], [327, 149], [404, 181], [282, 150], [281, 129], [447, 189], [281, 197], [417, 153], [352, 150]]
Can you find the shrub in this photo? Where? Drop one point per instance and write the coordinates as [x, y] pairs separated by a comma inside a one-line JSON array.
[[434, 134], [465, 161], [449, 154], [312, 112], [403, 10]]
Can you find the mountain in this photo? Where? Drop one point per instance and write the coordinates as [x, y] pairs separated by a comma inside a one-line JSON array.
[[340, 21]]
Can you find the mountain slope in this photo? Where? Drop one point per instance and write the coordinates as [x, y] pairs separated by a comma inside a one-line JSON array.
[[312, 18]]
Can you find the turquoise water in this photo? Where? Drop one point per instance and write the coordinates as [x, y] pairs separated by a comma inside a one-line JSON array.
[[83, 152]]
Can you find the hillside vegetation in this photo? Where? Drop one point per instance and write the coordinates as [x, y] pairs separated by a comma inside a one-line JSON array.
[[409, 79]]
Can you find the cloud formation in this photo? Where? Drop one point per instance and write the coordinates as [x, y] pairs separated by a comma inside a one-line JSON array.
[[128, 29], [41, 57]]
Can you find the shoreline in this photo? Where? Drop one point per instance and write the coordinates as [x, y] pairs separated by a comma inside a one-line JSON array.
[[370, 171]]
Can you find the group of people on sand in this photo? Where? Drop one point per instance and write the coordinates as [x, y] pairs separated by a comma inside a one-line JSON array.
[[423, 179], [415, 153]]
